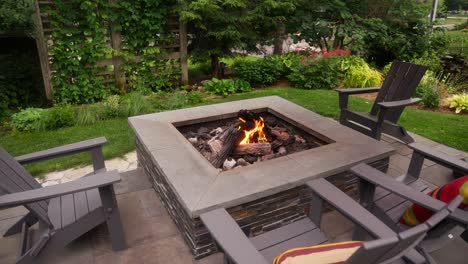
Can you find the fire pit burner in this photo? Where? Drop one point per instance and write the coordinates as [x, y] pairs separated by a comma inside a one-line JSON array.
[[250, 138]]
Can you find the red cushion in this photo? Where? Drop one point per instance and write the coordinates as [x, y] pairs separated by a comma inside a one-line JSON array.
[[416, 214], [319, 254]]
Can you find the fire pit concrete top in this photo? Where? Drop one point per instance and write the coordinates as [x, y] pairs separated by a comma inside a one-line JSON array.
[[201, 187]]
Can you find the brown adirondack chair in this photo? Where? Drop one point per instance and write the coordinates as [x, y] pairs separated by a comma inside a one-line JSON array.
[[394, 94], [388, 247], [387, 198], [64, 211]]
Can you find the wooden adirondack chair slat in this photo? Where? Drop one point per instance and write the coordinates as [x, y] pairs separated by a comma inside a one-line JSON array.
[[67, 206], [391, 200], [388, 246], [94, 200], [55, 213], [313, 237], [81, 204], [397, 88], [68, 210], [292, 230]]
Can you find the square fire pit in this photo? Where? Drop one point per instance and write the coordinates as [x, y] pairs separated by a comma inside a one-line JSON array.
[[261, 196]]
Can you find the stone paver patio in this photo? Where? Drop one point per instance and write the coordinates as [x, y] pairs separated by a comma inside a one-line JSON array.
[[153, 238]]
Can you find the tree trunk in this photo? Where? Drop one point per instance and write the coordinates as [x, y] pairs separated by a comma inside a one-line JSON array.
[[279, 39], [215, 67]]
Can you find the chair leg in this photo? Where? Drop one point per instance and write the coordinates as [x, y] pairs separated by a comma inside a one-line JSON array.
[[464, 236], [397, 131], [114, 225], [366, 199]]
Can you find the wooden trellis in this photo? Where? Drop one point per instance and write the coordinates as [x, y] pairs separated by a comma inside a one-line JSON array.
[[44, 29]]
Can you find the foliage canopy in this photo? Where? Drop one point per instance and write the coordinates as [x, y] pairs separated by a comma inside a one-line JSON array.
[[15, 15]]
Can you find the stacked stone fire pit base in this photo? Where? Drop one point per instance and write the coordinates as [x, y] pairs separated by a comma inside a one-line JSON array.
[[262, 196]]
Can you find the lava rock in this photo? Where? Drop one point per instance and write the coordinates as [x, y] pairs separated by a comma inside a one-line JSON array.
[[229, 164], [299, 139], [202, 130], [250, 159], [282, 151], [205, 136], [241, 162], [190, 134], [216, 131]]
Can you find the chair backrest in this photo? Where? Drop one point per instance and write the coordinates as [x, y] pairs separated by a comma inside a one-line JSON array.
[[400, 84], [387, 250], [14, 178]]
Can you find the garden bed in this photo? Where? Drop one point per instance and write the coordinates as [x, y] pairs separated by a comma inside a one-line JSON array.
[[448, 129]]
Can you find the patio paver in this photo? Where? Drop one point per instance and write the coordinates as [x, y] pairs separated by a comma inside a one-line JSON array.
[[153, 238]]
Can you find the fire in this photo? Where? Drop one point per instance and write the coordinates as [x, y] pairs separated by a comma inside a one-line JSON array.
[[255, 135]]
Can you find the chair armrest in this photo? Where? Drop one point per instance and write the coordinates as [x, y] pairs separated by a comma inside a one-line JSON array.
[[231, 238], [400, 103], [378, 178], [344, 94], [40, 194], [350, 208], [62, 150], [358, 90], [439, 157]]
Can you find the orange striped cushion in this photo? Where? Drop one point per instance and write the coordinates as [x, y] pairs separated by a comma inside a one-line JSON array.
[[320, 254], [416, 214]]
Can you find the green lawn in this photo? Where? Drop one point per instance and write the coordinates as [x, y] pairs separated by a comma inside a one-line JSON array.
[[458, 41], [118, 134], [451, 20], [445, 128]]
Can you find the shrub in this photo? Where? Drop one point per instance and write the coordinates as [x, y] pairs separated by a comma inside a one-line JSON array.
[[135, 103], [175, 100], [20, 79], [427, 90], [429, 59], [89, 114], [258, 72], [358, 73], [459, 102], [386, 69], [194, 97], [287, 61], [59, 116], [321, 73], [30, 119], [227, 86], [111, 107], [198, 69]]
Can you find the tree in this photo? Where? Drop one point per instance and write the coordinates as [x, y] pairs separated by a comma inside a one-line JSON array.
[[15, 15], [218, 27], [379, 30], [456, 4]]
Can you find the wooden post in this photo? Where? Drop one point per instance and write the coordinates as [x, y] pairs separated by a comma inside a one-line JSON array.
[[183, 52], [41, 45], [116, 40]]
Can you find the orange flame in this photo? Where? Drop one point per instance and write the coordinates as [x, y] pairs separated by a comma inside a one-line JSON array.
[[250, 135]]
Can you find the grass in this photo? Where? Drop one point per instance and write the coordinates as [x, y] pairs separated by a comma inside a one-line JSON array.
[[451, 20], [118, 134], [458, 40], [445, 128]]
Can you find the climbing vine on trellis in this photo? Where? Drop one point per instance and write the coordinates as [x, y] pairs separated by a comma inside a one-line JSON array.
[[81, 38]]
